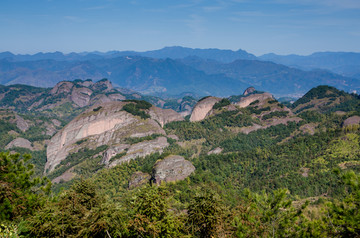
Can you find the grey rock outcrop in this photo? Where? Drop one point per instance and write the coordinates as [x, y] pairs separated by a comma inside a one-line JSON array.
[[81, 96], [114, 150], [354, 120], [172, 168], [246, 101], [62, 87], [102, 85], [215, 151], [249, 90], [139, 178], [107, 124], [142, 149], [21, 123], [164, 116], [20, 142], [202, 108]]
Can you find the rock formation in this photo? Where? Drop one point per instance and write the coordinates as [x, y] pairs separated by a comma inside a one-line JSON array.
[[202, 108], [107, 124], [249, 90], [215, 151], [164, 116], [21, 123], [142, 149], [114, 150], [20, 142], [172, 168], [354, 120], [246, 101]]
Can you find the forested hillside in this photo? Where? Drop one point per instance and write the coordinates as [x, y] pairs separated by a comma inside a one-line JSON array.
[[251, 167]]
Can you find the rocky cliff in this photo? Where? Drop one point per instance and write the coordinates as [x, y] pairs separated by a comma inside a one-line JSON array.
[[202, 108], [107, 124], [246, 101]]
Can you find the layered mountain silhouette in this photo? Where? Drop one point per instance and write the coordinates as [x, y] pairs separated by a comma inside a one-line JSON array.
[[174, 70]]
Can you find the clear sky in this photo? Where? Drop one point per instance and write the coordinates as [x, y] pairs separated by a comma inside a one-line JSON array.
[[257, 26]]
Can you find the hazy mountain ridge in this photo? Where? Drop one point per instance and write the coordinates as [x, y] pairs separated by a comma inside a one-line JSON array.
[[174, 70], [174, 52], [275, 78], [343, 63]]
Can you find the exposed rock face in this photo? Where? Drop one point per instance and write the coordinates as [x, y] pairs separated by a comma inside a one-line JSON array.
[[86, 83], [164, 116], [56, 122], [245, 101], [249, 90], [50, 129], [174, 137], [103, 85], [81, 96], [202, 108], [354, 120], [21, 123], [107, 124], [20, 142], [172, 168], [308, 128], [67, 176], [215, 151], [111, 152], [139, 178], [116, 97], [142, 149], [62, 87]]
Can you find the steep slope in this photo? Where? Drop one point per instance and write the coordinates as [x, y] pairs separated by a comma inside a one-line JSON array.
[[202, 108], [130, 129], [325, 99]]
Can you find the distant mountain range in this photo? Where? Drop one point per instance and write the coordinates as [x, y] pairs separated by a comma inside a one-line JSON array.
[[343, 63], [174, 70]]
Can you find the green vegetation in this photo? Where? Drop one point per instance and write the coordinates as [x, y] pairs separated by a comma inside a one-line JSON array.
[[222, 103], [20, 194], [75, 159], [134, 140], [136, 107], [277, 181], [275, 114]]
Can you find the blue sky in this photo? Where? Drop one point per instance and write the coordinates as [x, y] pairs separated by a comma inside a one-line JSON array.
[[257, 26]]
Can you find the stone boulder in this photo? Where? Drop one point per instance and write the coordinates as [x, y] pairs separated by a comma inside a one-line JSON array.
[[202, 108], [172, 168], [354, 120], [20, 142], [139, 178]]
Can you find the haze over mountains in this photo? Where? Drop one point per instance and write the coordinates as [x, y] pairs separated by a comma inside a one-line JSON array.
[[174, 70]]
